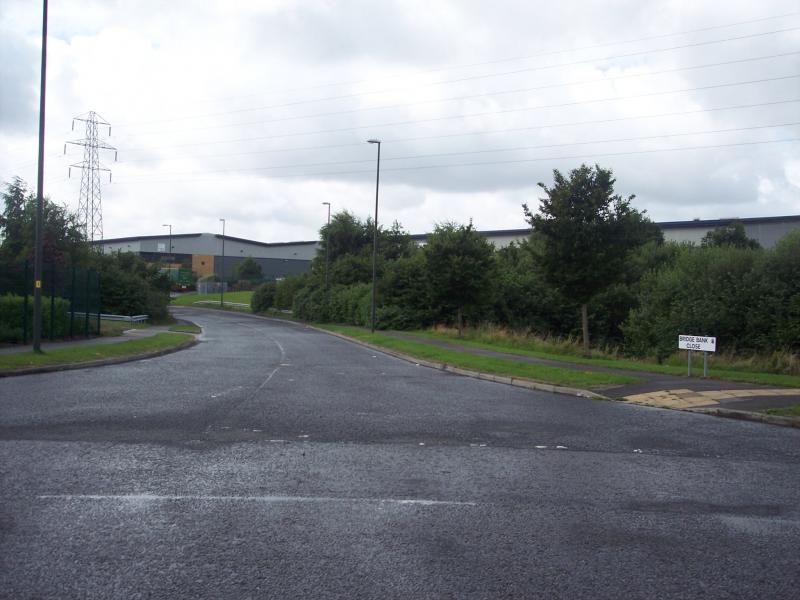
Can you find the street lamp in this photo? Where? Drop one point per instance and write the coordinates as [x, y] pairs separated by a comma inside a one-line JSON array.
[[375, 231], [327, 243], [38, 242], [170, 238], [222, 275]]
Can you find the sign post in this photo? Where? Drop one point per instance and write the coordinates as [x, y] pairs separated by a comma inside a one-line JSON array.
[[703, 343]]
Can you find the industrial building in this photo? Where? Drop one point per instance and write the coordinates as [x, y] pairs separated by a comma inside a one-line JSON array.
[[203, 252], [765, 230]]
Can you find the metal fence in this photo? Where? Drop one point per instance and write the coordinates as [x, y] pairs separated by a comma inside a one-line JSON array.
[[70, 302], [211, 287]]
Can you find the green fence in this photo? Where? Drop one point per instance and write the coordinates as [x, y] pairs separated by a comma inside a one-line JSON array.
[[70, 302]]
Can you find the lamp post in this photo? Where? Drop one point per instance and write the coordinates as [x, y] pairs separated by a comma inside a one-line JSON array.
[[375, 231], [170, 239], [327, 243], [38, 246], [222, 274]]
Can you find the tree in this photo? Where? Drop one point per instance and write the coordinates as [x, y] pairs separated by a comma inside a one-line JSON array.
[[586, 232], [249, 269], [345, 234], [62, 238], [732, 234], [460, 264]]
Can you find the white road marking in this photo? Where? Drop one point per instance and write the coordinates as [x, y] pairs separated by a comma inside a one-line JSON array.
[[263, 499], [540, 447]]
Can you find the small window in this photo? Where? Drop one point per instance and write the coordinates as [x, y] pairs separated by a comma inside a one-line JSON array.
[[202, 263]]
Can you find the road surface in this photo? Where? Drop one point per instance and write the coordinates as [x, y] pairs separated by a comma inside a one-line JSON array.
[[275, 461]]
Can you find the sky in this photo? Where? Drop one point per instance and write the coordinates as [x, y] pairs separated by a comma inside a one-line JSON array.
[[257, 112]]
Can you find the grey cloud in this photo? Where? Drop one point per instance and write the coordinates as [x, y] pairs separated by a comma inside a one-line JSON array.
[[19, 73]]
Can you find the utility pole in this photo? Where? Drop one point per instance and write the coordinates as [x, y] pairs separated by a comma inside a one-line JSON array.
[[90, 210], [38, 249], [375, 232], [222, 277], [170, 240], [327, 244]]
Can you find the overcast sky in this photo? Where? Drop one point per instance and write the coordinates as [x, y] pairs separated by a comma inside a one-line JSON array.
[[259, 111]]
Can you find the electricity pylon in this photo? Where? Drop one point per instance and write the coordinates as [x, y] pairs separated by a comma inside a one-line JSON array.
[[90, 208]]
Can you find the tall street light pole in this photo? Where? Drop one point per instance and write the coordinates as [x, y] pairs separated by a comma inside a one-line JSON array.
[[327, 243], [170, 239], [38, 250], [375, 231], [222, 277]]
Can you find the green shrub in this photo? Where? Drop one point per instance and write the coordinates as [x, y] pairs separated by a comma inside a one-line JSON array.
[[286, 290], [263, 297], [746, 298], [11, 318]]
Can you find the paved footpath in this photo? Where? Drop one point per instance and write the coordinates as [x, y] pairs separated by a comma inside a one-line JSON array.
[[130, 334], [655, 389]]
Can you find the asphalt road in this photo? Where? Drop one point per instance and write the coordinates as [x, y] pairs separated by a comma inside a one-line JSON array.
[[274, 461]]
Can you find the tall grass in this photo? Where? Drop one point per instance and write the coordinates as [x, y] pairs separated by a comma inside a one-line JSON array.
[[783, 363]]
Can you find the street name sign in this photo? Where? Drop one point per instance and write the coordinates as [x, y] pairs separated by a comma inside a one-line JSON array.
[[702, 343]]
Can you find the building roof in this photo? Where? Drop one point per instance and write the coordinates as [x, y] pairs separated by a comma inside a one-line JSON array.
[[138, 238], [710, 223], [696, 223]]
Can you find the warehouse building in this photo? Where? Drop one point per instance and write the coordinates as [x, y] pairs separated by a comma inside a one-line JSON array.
[[203, 252], [765, 230]]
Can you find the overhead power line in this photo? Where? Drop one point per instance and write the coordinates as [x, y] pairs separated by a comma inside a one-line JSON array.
[[488, 94], [584, 156], [444, 154], [373, 126], [484, 63], [450, 135]]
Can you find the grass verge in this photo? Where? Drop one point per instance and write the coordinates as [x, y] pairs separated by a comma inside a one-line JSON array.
[[79, 354], [512, 347], [186, 328], [787, 411], [191, 299], [542, 373]]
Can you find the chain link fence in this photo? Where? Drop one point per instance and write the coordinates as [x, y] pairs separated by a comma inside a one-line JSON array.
[[70, 302]]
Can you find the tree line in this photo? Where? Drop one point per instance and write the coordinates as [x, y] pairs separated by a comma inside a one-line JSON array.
[[128, 285], [593, 267]]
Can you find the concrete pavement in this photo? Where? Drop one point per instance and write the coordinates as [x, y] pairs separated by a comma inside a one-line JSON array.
[[274, 461], [654, 389]]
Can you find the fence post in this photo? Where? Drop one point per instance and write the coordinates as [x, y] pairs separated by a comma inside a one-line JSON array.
[[98, 303], [86, 314], [72, 304], [25, 306], [52, 297]]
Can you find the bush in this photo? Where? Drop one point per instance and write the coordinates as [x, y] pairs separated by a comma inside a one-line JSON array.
[[12, 309], [263, 297], [129, 286], [718, 291], [286, 290], [351, 305]]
